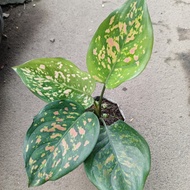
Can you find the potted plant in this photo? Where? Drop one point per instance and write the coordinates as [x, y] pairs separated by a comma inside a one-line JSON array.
[[74, 127]]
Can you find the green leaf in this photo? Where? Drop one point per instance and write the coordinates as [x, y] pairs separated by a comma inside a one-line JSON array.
[[60, 138], [120, 159], [56, 79], [122, 45]]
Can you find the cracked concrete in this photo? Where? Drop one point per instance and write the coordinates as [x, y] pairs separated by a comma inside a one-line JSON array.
[[156, 103]]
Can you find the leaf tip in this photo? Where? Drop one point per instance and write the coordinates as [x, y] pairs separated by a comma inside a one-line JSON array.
[[14, 68], [29, 184], [32, 184]]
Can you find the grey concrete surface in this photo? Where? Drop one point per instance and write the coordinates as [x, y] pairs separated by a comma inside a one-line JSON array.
[[157, 103]]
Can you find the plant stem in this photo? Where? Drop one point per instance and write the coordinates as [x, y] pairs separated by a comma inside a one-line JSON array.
[[100, 101], [103, 122]]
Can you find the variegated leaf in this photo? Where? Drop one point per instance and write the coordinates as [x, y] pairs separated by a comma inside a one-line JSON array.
[[60, 138], [55, 79], [122, 45], [120, 159]]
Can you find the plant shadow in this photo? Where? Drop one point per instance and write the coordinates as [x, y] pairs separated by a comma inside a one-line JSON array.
[[19, 29]]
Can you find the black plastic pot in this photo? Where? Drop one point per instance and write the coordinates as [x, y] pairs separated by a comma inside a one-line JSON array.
[[110, 111]]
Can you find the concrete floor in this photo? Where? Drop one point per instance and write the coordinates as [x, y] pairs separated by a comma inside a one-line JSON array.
[[157, 103]]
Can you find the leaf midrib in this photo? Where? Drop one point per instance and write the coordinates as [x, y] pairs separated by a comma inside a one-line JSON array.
[[116, 157]]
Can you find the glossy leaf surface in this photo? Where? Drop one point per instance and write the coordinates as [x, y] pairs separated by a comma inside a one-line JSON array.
[[122, 45], [55, 79], [60, 138], [120, 159]]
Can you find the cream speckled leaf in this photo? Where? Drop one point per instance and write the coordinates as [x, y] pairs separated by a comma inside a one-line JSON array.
[[122, 45], [60, 138], [55, 79], [120, 159]]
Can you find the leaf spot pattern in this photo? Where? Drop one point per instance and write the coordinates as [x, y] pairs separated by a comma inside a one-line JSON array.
[[121, 158], [81, 131], [57, 78], [73, 133], [114, 54]]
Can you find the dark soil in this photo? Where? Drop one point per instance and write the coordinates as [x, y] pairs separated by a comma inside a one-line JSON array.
[[110, 111]]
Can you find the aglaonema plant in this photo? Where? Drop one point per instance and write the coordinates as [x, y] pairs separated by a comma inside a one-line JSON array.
[[71, 128]]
